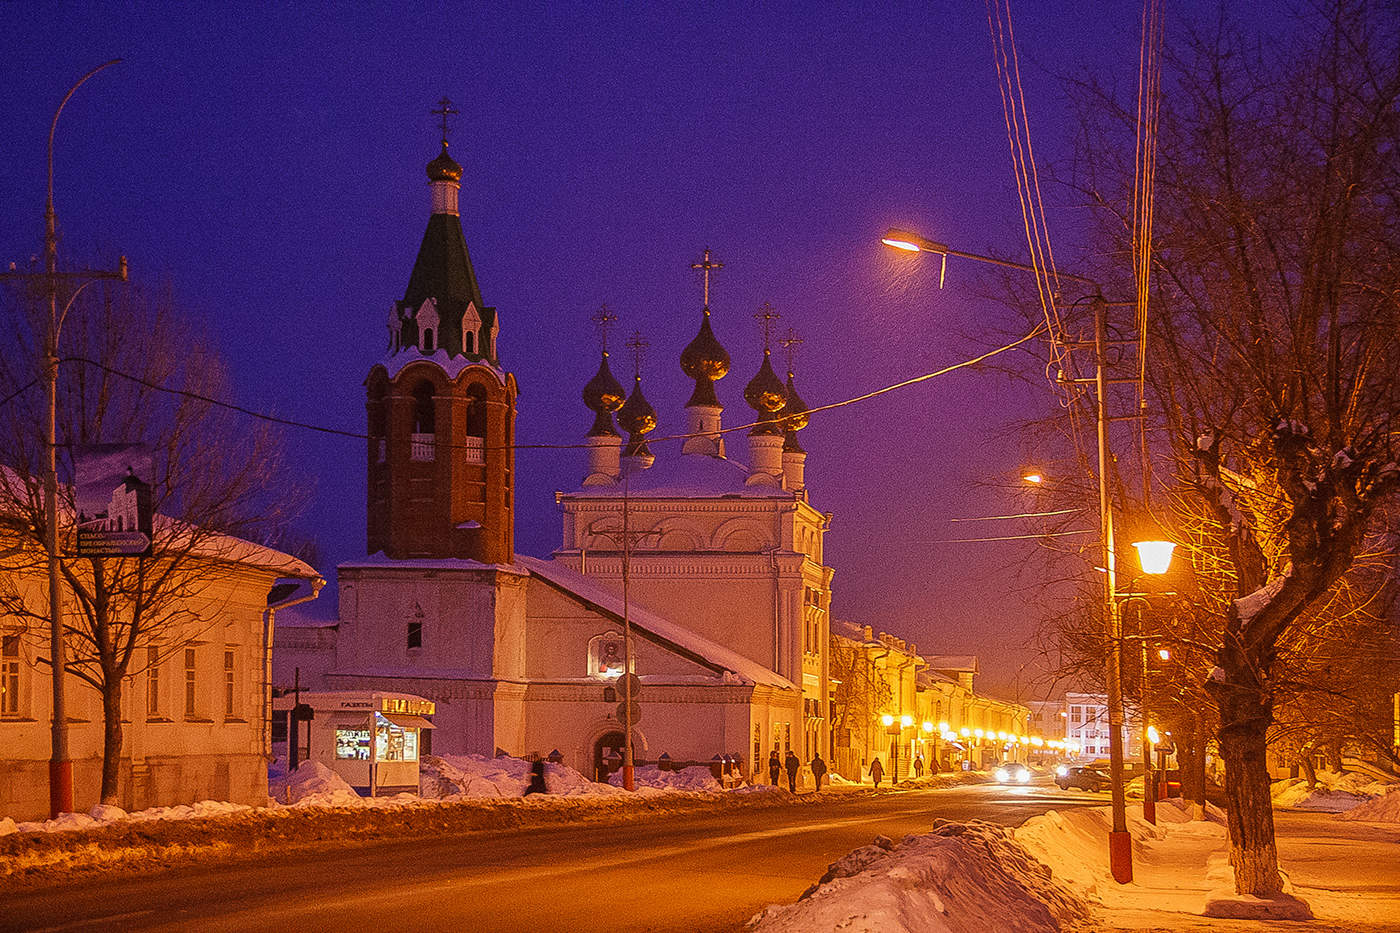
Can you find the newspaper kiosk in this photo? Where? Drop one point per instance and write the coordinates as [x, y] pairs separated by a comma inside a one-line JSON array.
[[371, 739]]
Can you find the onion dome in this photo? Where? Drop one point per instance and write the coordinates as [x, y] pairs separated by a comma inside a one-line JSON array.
[[795, 418], [603, 393], [444, 167], [765, 392], [636, 416], [704, 357]]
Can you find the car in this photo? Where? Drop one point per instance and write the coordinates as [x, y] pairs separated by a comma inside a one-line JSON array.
[[1012, 774], [1082, 778]]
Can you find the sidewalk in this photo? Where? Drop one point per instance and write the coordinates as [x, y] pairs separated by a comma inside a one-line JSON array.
[[1348, 872]]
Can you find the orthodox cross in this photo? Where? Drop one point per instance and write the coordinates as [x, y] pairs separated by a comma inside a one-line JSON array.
[[444, 108], [603, 319], [765, 317], [791, 343], [705, 265], [638, 345]]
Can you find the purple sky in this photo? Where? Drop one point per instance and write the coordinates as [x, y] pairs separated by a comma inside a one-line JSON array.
[[269, 166]]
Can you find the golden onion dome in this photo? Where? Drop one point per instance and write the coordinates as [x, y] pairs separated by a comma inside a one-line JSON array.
[[765, 391], [705, 356], [636, 416], [444, 167], [795, 416], [603, 393]]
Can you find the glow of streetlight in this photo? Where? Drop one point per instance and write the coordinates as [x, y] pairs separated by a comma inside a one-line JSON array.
[[1164, 654], [894, 238], [1034, 479], [1153, 735], [886, 719], [942, 727], [928, 726], [906, 721], [1155, 556]]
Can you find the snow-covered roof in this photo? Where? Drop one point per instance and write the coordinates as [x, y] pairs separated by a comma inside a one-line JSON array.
[[952, 662], [667, 632], [687, 476], [453, 366], [377, 561]]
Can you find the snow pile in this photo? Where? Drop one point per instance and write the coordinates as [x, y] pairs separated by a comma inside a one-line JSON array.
[[478, 776], [695, 777], [1384, 809], [313, 784], [959, 877], [102, 815], [1334, 793]]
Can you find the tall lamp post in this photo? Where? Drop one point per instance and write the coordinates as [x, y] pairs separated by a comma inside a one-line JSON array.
[[1119, 840], [60, 764]]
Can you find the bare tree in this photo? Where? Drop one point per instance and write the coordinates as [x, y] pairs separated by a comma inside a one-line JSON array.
[[133, 371], [1276, 371], [860, 693]]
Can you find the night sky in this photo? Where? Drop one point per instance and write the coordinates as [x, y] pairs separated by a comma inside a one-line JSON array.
[[267, 164]]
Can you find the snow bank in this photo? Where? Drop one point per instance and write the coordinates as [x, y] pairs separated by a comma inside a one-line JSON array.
[[478, 776], [1334, 793], [101, 815], [695, 777], [1384, 809]]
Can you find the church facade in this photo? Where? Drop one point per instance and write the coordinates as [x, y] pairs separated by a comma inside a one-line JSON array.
[[728, 593]]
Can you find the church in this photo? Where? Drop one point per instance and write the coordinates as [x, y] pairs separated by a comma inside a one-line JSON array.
[[715, 566]]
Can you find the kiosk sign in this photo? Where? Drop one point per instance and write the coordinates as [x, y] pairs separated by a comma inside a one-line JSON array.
[[113, 497]]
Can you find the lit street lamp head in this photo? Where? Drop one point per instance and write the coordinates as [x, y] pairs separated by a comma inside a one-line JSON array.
[[1155, 556]]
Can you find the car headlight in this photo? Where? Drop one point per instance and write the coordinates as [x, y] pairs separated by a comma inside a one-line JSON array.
[[1001, 775], [1061, 771], [1023, 776]]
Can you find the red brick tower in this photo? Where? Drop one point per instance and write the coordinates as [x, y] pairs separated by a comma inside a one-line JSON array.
[[441, 408]]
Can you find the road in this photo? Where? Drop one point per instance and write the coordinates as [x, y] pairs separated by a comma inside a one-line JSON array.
[[692, 873]]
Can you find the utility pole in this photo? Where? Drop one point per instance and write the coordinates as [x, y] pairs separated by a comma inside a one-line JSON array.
[[60, 764]]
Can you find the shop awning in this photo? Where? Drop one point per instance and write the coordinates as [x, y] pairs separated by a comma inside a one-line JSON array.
[[408, 722]]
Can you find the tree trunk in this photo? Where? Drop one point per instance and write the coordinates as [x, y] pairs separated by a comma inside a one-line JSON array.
[[1191, 762], [111, 738], [1334, 756], [1245, 717], [1305, 761]]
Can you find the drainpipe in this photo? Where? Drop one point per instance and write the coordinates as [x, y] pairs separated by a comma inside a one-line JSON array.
[[268, 614]]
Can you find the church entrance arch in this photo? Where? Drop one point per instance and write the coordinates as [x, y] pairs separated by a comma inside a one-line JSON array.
[[607, 755]]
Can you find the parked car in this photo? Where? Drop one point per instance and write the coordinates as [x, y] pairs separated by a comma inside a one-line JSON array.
[[1012, 774], [1082, 778]]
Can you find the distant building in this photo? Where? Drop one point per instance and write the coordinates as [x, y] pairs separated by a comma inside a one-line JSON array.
[[1086, 727]]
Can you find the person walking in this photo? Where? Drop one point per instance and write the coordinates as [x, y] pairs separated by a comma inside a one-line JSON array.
[[793, 764], [919, 766], [775, 768], [818, 769], [877, 771]]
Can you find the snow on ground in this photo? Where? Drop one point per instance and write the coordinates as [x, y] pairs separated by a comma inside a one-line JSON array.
[[695, 777], [1334, 793], [478, 776], [1384, 809]]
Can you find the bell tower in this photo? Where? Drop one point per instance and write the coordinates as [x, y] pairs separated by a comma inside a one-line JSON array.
[[441, 408]]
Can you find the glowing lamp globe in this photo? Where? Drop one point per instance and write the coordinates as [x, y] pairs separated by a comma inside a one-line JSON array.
[[942, 727], [1152, 735], [927, 726], [1155, 556], [887, 720], [906, 720]]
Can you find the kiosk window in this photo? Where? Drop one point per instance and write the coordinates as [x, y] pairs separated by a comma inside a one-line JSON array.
[[352, 743]]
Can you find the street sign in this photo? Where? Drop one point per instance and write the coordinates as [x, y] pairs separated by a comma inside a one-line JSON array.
[[632, 681], [636, 712], [114, 500]]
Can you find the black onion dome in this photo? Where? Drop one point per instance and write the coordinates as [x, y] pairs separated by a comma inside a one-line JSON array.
[[765, 391], [444, 167], [603, 393], [636, 416], [704, 357], [795, 415], [791, 445], [603, 426]]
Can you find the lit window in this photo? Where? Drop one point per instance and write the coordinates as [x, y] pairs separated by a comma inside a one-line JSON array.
[[1076, 714], [9, 676], [189, 682]]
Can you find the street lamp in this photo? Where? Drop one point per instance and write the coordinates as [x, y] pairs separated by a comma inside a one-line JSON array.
[[1120, 850]]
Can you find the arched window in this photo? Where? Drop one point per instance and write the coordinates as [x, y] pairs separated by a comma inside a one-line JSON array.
[[428, 340], [423, 408], [605, 656], [476, 411], [469, 341]]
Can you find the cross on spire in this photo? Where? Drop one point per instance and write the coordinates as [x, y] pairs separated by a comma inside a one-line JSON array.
[[638, 345], [766, 316], [705, 265], [603, 319], [791, 343], [444, 109]]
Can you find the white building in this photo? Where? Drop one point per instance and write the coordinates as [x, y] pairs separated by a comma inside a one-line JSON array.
[[1086, 726]]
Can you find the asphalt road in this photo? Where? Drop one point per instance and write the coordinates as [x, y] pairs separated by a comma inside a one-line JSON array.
[[693, 873]]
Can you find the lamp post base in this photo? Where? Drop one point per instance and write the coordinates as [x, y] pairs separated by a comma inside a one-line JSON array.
[[60, 788], [1120, 856], [628, 780], [1149, 804]]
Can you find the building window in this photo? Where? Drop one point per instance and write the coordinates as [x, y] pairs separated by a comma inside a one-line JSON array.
[[787, 738], [423, 414], [1076, 714], [230, 685], [189, 683], [415, 634], [757, 748], [469, 341], [476, 411], [153, 697], [427, 340], [9, 676]]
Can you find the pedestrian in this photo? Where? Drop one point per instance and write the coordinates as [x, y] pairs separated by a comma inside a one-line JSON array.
[[793, 765], [919, 766], [818, 769], [537, 785], [775, 768], [877, 771]]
